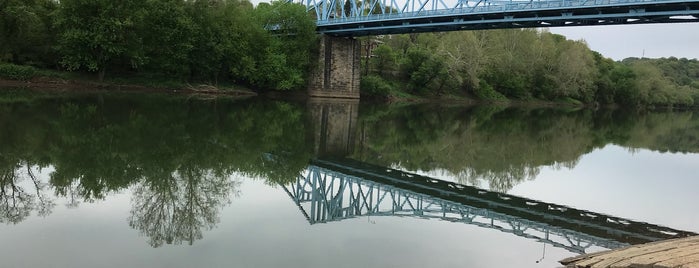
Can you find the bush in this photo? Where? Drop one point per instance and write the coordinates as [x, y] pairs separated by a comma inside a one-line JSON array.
[[373, 85], [17, 72], [485, 92]]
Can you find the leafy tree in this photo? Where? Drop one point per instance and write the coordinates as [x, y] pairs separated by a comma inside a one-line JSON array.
[[26, 31], [168, 37], [383, 60], [284, 57], [97, 33], [575, 72], [604, 86], [525, 64]]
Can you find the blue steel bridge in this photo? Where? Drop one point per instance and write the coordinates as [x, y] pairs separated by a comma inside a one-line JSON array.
[[331, 191], [337, 73], [377, 17]]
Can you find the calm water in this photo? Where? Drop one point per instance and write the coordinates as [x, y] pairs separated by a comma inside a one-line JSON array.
[[138, 180]]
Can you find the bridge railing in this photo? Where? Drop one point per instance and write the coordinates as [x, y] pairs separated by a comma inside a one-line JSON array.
[[350, 11]]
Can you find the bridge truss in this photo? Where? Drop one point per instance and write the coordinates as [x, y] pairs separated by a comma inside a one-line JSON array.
[[326, 195], [376, 17]]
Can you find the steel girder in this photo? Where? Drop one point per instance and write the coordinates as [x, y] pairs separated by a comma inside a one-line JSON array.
[[375, 17]]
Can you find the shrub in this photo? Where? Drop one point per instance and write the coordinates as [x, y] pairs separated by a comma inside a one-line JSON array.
[[17, 72], [486, 92], [373, 85]]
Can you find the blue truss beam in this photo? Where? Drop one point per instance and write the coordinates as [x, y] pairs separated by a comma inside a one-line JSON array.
[[375, 17]]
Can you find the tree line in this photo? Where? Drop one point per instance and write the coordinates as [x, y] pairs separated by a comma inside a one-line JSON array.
[[271, 46], [523, 64], [207, 41]]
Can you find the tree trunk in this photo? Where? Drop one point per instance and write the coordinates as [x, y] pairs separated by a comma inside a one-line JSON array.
[[100, 74]]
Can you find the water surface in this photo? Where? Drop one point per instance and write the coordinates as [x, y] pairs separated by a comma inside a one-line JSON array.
[[135, 180]]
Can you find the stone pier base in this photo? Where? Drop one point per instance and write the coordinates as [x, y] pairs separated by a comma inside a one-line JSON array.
[[337, 74]]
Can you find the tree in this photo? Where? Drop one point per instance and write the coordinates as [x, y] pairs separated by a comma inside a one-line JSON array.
[[575, 71], [465, 57], [168, 37], [95, 34], [26, 32], [284, 57]]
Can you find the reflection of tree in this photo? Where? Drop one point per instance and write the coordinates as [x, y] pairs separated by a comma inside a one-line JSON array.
[[16, 203], [98, 146], [180, 207], [498, 146], [498, 180], [501, 147]]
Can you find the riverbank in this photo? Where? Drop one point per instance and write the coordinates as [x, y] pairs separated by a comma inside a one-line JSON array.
[[55, 81], [50, 81], [60, 85]]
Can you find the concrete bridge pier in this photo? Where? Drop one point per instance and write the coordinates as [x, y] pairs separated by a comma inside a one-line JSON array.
[[337, 74]]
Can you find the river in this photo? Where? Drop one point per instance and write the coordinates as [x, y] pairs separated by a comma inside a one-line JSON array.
[[156, 180]]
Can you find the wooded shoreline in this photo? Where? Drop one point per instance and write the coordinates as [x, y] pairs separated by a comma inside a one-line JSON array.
[[229, 42]]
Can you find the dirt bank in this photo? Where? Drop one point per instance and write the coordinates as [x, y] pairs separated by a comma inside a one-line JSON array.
[[45, 84]]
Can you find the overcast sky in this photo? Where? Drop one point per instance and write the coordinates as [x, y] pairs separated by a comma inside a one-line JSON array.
[[680, 40]]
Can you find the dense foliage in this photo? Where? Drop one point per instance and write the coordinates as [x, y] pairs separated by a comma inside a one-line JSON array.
[[523, 64], [207, 41], [270, 46]]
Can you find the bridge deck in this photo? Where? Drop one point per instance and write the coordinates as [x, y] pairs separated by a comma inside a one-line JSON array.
[[682, 252], [377, 17]]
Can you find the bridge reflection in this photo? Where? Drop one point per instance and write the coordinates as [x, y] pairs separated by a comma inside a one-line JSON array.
[[334, 190]]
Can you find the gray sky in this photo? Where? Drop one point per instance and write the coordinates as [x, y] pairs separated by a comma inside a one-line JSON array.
[[623, 41]]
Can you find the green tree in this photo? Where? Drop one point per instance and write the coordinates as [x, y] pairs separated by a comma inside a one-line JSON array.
[[575, 71], [96, 34], [465, 57], [26, 31], [604, 86], [284, 56], [168, 38], [383, 60], [623, 79]]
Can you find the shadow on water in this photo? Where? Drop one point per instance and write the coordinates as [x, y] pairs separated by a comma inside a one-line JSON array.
[[183, 158]]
